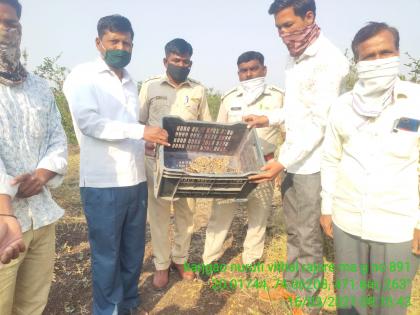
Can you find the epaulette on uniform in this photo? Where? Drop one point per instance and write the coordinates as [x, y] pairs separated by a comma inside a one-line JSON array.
[[156, 77], [195, 82], [275, 88], [229, 92]]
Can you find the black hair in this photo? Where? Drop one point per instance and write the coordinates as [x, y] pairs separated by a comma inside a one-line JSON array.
[[114, 23], [14, 4], [300, 7], [178, 46], [251, 55], [371, 30]]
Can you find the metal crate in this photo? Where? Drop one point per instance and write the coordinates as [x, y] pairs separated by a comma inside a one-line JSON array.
[[192, 139]]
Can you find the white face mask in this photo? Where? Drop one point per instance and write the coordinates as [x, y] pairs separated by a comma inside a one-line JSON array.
[[252, 89], [374, 89]]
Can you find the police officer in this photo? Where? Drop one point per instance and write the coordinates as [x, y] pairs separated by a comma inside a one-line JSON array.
[[252, 96], [171, 94]]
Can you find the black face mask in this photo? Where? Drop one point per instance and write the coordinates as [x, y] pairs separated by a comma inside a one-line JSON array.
[[178, 74]]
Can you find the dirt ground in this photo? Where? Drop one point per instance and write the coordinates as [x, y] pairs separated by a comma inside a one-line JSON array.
[[71, 289]]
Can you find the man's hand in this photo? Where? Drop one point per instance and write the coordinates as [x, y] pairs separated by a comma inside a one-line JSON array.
[[416, 242], [271, 170], [32, 184], [156, 135], [327, 225], [11, 239], [256, 121], [150, 149]]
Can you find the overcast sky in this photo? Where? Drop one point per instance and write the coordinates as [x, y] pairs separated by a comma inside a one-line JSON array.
[[219, 31]]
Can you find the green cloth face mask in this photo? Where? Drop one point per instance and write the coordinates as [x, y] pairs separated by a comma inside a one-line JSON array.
[[117, 58]]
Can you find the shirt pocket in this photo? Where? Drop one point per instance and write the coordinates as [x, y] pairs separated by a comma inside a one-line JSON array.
[[187, 108], [401, 144], [159, 107], [235, 114], [193, 106], [36, 124]]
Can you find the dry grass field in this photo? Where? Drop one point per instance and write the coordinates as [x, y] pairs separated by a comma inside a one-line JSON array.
[[71, 290]]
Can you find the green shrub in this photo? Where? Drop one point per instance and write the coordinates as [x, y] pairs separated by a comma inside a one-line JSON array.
[[214, 99]]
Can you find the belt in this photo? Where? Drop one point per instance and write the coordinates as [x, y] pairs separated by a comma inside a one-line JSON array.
[[269, 156]]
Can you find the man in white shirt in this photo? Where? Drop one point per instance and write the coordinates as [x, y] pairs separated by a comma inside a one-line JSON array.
[[370, 180], [314, 76], [103, 101]]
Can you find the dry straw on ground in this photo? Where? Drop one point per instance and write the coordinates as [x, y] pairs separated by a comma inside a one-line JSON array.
[[71, 290]]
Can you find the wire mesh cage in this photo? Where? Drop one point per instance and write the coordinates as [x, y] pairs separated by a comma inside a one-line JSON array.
[[190, 140]]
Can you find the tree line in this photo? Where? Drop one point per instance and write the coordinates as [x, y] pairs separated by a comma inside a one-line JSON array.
[[55, 74]]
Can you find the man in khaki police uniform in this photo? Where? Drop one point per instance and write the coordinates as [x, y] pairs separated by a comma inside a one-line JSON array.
[[171, 94], [252, 96]]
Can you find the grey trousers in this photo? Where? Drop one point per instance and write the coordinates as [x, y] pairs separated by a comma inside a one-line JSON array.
[[302, 211], [372, 275]]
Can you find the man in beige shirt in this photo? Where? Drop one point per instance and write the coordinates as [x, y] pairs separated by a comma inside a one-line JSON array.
[[252, 96], [171, 94]]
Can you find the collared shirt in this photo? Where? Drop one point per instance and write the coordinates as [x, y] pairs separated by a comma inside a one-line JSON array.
[[31, 137], [105, 116], [232, 109], [158, 98], [313, 81], [369, 169]]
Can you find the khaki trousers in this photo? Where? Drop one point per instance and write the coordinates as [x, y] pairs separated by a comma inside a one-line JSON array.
[[25, 282], [159, 216], [258, 207]]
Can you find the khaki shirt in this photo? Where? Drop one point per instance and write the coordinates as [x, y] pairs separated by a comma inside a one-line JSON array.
[[232, 109], [158, 98]]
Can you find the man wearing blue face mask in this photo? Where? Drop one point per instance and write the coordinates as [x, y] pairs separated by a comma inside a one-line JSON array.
[[103, 101], [172, 93], [370, 180]]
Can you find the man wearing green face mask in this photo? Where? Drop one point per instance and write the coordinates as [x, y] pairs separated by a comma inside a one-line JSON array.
[[116, 58], [105, 110]]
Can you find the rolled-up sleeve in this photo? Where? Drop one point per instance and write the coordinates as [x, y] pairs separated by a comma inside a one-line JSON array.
[[55, 156], [5, 187]]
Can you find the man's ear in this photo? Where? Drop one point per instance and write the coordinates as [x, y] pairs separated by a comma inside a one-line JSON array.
[[265, 70], [98, 42], [309, 18], [191, 63], [165, 62], [99, 46]]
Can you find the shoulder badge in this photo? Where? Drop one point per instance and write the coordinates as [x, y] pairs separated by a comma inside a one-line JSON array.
[[229, 92], [275, 88], [156, 77]]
